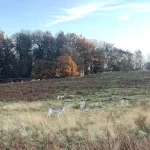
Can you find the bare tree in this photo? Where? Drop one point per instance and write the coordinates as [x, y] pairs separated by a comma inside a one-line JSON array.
[[138, 60]]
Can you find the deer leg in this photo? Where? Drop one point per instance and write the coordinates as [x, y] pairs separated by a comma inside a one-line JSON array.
[[48, 115], [59, 114]]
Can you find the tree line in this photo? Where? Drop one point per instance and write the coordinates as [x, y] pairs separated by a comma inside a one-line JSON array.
[[39, 54]]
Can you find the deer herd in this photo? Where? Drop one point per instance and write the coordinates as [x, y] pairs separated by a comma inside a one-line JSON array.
[[60, 110]]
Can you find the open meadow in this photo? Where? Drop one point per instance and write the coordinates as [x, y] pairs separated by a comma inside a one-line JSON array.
[[104, 124]]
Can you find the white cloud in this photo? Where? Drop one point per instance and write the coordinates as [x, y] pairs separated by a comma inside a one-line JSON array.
[[82, 11], [124, 17], [74, 13]]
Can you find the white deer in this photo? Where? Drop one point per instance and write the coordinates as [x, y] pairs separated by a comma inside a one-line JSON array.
[[125, 101], [82, 104], [58, 110], [81, 73], [61, 97]]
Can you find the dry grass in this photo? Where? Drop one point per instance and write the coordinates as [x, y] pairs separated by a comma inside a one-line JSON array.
[[76, 129], [104, 124]]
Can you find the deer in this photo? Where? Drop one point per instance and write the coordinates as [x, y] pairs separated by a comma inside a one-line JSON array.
[[82, 104], [61, 97], [58, 110], [125, 101]]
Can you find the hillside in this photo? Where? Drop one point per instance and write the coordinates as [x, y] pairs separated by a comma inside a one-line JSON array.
[[127, 84], [105, 123]]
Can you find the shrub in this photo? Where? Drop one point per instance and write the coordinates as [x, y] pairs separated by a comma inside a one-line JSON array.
[[140, 121], [66, 67]]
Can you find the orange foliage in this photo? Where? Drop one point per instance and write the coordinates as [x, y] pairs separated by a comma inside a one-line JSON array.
[[66, 67], [85, 45]]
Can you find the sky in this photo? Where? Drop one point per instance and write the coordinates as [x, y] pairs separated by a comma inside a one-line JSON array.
[[125, 23]]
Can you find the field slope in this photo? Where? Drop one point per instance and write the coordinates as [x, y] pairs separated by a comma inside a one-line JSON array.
[[104, 123]]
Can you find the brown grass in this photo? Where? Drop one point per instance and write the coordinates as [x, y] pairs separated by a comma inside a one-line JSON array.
[[103, 125], [74, 130], [50, 88]]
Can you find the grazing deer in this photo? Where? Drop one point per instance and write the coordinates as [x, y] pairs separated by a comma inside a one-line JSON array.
[[82, 104], [61, 97], [125, 101], [58, 110]]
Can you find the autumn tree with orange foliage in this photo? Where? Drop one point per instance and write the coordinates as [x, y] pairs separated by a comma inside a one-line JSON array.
[[65, 66], [39, 54], [85, 48]]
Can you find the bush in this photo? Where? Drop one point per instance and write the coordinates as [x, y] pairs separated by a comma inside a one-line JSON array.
[[66, 67]]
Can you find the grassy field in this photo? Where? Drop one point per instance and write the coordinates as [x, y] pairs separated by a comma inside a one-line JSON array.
[[104, 123]]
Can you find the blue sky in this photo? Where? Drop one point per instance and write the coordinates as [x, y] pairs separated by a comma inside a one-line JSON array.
[[126, 23]]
